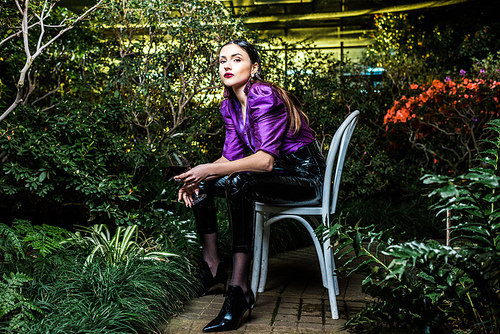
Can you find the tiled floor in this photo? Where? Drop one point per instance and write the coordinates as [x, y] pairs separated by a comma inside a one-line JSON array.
[[295, 301]]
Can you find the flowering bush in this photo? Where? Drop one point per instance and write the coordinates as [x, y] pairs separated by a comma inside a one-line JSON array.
[[446, 120]]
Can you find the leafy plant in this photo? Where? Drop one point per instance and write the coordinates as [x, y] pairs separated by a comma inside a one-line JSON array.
[[124, 286], [121, 247], [133, 297], [89, 142], [15, 309], [43, 238], [11, 246], [423, 286], [472, 198], [25, 247]]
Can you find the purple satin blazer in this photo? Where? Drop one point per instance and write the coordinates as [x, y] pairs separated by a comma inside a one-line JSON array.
[[265, 128]]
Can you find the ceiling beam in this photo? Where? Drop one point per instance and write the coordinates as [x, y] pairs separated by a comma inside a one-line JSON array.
[[352, 13]]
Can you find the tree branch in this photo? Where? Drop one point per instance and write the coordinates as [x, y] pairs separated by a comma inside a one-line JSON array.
[[40, 47], [49, 93]]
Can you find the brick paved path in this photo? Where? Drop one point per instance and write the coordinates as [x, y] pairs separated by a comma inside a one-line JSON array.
[[295, 301]]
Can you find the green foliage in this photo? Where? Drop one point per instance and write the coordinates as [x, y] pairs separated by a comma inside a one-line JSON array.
[[133, 297], [45, 238], [472, 200], [406, 215], [327, 91], [171, 106], [89, 143], [425, 286], [67, 161], [15, 309], [124, 286], [10, 244], [418, 46], [123, 246], [396, 48], [25, 246]]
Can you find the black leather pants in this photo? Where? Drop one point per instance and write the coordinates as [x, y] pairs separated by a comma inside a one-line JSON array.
[[296, 179]]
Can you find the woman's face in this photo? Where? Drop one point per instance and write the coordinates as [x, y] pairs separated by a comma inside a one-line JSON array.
[[235, 66]]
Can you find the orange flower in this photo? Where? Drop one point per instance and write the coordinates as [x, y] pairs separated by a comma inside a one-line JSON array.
[[424, 97], [438, 84]]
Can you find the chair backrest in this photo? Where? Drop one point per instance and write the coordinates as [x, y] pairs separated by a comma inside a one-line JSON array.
[[334, 165]]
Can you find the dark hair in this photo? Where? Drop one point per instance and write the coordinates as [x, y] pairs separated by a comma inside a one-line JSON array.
[[295, 114]]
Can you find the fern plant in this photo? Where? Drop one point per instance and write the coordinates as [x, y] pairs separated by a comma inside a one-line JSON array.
[[11, 246], [14, 307], [23, 238], [473, 201], [424, 286], [43, 238], [26, 248]]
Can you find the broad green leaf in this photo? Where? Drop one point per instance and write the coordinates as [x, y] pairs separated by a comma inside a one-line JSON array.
[[42, 176], [447, 191]]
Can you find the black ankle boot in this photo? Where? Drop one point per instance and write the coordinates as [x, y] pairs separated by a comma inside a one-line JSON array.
[[231, 314], [208, 283]]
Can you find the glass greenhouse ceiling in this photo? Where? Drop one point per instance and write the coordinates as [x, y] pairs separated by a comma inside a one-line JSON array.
[[339, 26]]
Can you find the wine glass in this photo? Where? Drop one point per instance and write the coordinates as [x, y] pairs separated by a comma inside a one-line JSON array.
[[177, 164]]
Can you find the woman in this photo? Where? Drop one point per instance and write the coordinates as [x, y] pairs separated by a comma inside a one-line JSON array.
[[269, 155]]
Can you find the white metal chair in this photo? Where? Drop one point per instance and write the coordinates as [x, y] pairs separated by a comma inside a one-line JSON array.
[[265, 215]]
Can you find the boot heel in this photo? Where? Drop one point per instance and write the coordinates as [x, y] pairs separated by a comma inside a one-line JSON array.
[[251, 302]]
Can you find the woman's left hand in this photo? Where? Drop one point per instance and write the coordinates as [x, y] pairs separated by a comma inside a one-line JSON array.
[[194, 176]]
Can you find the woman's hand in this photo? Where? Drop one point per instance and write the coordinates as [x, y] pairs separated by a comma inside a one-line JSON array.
[[194, 176], [187, 194], [191, 181], [257, 162]]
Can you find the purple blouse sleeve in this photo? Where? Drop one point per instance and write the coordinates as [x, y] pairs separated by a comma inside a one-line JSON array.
[[234, 147], [268, 119]]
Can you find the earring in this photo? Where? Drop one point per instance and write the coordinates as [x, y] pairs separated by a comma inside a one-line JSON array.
[[248, 85], [253, 75]]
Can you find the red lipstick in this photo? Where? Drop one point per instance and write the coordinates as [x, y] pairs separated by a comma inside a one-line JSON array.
[[228, 75]]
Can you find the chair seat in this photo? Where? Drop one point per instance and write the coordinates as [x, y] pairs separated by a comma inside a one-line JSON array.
[[288, 210]]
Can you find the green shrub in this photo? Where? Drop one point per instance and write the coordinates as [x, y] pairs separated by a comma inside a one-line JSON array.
[[123, 286], [133, 297], [428, 287], [30, 248], [89, 144], [121, 247], [15, 309]]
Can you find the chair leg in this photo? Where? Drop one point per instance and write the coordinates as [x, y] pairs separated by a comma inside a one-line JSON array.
[[333, 302], [335, 279], [319, 249], [264, 259], [331, 278], [257, 251]]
